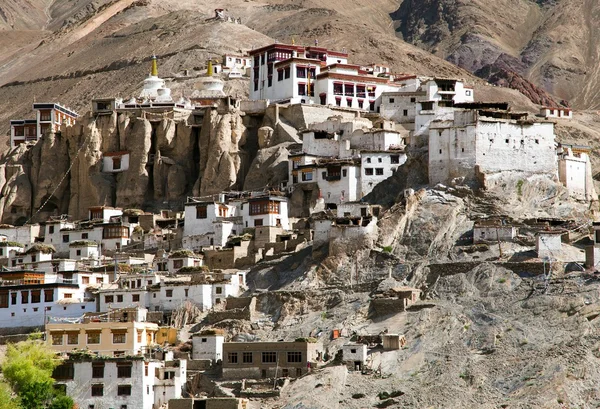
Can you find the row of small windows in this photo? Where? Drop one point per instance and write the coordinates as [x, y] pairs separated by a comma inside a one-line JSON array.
[[92, 338], [266, 357], [369, 171]]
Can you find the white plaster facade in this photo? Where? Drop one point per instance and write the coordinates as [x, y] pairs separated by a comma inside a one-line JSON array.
[[140, 389], [556, 113], [472, 141], [206, 345], [115, 162], [548, 244], [354, 355], [575, 171]]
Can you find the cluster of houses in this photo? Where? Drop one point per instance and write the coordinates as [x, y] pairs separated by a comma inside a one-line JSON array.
[[105, 289]]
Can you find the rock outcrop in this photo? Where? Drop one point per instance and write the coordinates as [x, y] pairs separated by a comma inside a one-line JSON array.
[[168, 159]]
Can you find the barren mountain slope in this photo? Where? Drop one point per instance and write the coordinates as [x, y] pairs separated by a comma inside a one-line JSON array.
[[553, 43], [100, 50]]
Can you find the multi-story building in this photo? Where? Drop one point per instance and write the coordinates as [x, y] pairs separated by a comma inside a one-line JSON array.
[[121, 383], [473, 145], [27, 298], [122, 332], [49, 117], [345, 160], [575, 171], [256, 360], [297, 74]]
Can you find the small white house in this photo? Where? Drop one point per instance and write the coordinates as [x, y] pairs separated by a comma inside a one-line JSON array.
[[183, 258], [266, 211], [83, 249], [355, 355], [6, 247], [575, 171], [548, 244], [556, 112], [104, 213], [208, 344], [115, 162]]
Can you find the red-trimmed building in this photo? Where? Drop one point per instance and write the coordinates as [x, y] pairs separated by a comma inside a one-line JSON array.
[[296, 74], [49, 116]]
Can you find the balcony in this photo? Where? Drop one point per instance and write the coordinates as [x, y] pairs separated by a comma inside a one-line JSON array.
[[333, 178]]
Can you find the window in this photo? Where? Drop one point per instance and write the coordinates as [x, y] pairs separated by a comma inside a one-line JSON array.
[[269, 357], [169, 293], [287, 72], [247, 357], [468, 93], [65, 238], [413, 99], [187, 292], [120, 298], [344, 172], [72, 338], [379, 171], [109, 299], [13, 298], [36, 296], [258, 222], [57, 338], [84, 236], [177, 264], [294, 357], [405, 112], [93, 337], [24, 297], [85, 280], [301, 89], [98, 390], [307, 176], [395, 159], [301, 72], [64, 372], [124, 370], [232, 357], [279, 75], [353, 351], [219, 290], [124, 390], [139, 339], [33, 259], [119, 337], [135, 297], [116, 160], [392, 100], [201, 212], [379, 160], [68, 295], [98, 370], [78, 252], [369, 171]]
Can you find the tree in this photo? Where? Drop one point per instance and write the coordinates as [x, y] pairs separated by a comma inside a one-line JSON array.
[[6, 400], [27, 368]]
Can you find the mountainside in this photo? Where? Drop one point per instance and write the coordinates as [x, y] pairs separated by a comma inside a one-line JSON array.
[[554, 44], [102, 47]]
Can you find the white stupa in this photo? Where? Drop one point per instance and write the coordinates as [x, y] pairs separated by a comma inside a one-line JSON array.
[[155, 89], [210, 86]]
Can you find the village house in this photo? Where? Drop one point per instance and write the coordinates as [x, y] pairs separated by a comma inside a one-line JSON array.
[[575, 171], [25, 234], [241, 62], [28, 297], [548, 243], [49, 118], [472, 146], [259, 360], [592, 252], [294, 74], [556, 112], [208, 345], [354, 356], [209, 403], [493, 229], [121, 383], [9, 247], [401, 105], [122, 332], [344, 160]]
